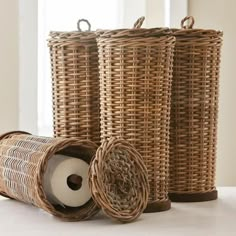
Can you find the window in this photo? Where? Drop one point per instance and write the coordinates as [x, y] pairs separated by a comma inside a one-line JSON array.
[[54, 15], [63, 16]]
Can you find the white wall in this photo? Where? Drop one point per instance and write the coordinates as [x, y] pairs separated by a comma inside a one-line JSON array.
[[18, 65], [153, 10], [155, 13], [9, 65], [131, 13], [220, 14], [178, 10], [28, 79]]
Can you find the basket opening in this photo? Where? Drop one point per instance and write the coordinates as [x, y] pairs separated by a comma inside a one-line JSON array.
[[82, 152], [74, 182]]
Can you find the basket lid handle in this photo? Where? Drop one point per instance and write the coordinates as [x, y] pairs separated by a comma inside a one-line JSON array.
[[79, 25], [139, 22], [190, 21]]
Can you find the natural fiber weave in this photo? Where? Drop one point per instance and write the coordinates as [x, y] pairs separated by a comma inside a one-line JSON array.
[[135, 87], [75, 84], [23, 161], [119, 181], [194, 109]]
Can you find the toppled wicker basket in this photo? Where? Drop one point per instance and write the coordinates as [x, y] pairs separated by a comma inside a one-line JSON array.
[[23, 160], [118, 177], [75, 83], [135, 87], [194, 111]]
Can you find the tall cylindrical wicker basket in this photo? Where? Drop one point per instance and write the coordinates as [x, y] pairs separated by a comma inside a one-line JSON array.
[[23, 160], [194, 113], [135, 86], [75, 84]]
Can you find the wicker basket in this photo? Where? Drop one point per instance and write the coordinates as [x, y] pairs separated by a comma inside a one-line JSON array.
[[135, 87], [118, 177], [23, 160], [194, 113], [75, 83]]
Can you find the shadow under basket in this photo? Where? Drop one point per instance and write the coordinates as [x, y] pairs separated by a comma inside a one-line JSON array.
[[194, 113]]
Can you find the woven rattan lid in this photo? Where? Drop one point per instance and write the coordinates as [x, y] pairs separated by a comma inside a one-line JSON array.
[[135, 32], [66, 37], [118, 180], [187, 30]]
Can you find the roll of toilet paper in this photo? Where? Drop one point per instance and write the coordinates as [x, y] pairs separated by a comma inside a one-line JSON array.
[[66, 181]]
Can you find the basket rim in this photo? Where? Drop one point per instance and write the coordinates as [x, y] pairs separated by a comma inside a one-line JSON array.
[[63, 144], [71, 35], [132, 33], [196, 32], [95, 178]]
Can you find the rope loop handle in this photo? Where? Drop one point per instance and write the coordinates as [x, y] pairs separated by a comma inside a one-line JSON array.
[[79, 25], [190, 21], [139, 22]]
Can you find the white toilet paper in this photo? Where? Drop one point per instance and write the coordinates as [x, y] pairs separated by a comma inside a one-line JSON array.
[[55, 183]]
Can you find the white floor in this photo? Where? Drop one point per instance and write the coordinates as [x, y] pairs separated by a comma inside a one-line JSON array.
[[201, 219]]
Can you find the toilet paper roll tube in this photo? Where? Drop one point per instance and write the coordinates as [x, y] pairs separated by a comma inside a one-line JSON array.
[[66, 181], [23, 162]]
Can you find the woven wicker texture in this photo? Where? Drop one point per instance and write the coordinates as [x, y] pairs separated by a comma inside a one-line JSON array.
[[23, 160], [75, 83], [119, 181], [194, 111], [135, 86]]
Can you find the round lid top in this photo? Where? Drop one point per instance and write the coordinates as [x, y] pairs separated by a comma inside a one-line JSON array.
[[83, 33], [118, 180], [134, 32], [187, 30]]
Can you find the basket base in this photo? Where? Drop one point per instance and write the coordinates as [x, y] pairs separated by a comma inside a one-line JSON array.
[[158, 206], [193, 197]]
